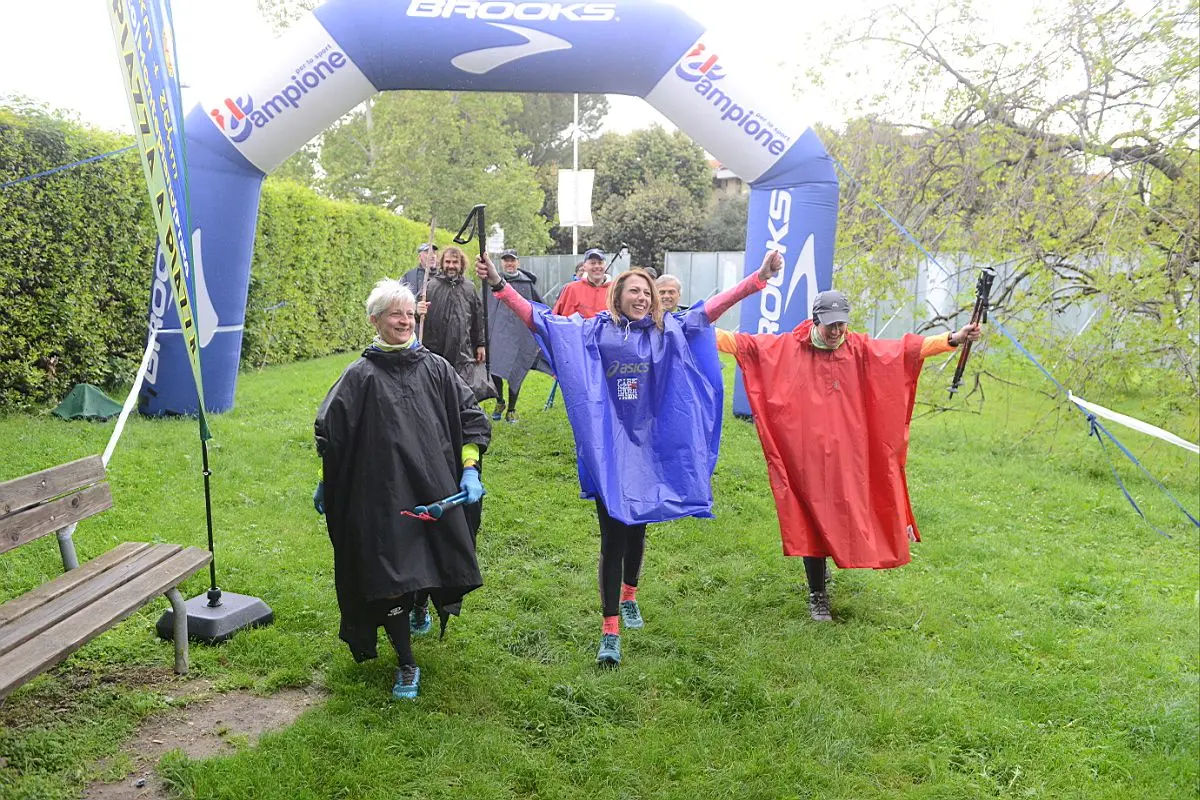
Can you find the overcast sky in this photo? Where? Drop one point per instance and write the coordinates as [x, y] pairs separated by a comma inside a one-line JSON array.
[[60, 52]]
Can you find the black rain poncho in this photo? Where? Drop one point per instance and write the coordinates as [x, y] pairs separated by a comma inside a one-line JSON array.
[[390, 434], [514, 350], [454, 328]]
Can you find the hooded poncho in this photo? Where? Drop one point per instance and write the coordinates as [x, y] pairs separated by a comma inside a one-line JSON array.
[[645, 406], [390, 434], [834, 430]]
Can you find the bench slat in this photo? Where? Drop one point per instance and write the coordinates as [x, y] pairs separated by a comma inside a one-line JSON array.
[[19, 606], [25, 526], [41, 486], [55, 643], [77, 600]]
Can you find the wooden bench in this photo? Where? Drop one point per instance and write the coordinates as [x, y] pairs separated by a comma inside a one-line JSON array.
[[45, 625]]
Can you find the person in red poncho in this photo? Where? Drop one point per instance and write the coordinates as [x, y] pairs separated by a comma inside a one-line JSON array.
[[832, 409]]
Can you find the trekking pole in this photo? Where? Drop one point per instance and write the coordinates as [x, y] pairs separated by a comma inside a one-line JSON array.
[[425, 279], [983, 289], [480, 232]]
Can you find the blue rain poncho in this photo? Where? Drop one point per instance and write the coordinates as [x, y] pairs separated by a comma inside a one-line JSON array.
[[645, 406]]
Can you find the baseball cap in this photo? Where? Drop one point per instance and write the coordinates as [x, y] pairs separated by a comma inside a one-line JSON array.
[[425, 246], [595, 252], [509, 254], [831, 306]]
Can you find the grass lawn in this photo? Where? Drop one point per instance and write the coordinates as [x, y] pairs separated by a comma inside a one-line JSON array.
[[1043, 643]]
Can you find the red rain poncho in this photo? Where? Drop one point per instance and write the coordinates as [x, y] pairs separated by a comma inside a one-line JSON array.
[[834, 429]]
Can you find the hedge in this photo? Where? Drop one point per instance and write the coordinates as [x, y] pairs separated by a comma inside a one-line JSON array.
[[76, 252]]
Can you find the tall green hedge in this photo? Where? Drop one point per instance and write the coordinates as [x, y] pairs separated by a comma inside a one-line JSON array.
[[75, 260], [76, 252], [315, 260]]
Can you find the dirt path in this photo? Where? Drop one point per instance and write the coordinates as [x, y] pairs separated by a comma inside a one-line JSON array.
[[210, 726]]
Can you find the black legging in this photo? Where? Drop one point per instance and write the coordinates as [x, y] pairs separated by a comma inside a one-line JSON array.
[[395, 624], [814, 569], [621, 550], [498, 382]]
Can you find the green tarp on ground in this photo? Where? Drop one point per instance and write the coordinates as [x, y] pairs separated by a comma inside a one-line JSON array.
[[87, 402]]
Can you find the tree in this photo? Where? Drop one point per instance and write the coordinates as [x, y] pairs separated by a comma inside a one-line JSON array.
[[439, 153], [656, 217], [626, 166], [545, 122], [1073, 163], [725, 228]]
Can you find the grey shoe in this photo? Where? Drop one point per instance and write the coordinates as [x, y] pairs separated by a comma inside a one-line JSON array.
[[818, 607]]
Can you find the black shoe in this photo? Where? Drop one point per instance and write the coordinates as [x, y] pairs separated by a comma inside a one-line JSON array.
[[498, 411], [818, 607]]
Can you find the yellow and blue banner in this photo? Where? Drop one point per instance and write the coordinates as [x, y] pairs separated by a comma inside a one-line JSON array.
[[142, 33]]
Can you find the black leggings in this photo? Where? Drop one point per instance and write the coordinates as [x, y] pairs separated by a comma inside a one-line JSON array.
[[814, 569], [395, 624], [498, 382], [621, 550]]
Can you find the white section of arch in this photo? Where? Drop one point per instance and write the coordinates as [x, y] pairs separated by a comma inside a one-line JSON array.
[[307, 83], [722, 98]]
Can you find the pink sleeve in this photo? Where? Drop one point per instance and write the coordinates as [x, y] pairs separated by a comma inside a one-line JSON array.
[[519, 305], [717, 305]]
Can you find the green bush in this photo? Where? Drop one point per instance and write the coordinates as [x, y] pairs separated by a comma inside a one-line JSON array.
[[315, 260], [75, 256], [76, 251]]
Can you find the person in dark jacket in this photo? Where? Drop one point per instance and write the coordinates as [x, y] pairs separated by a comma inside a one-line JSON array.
[[414, 279], [399, 429], [514, 352], [453, 313]]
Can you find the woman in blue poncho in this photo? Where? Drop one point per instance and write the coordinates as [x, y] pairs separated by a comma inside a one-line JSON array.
[[644, 396]]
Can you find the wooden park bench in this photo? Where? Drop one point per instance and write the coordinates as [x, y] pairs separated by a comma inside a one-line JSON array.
[[46, 624]]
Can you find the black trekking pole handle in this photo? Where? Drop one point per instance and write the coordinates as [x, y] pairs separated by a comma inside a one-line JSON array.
[[464, 237]]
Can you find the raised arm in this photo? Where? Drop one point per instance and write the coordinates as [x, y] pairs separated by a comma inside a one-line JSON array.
[[506, 294], [717, 305]]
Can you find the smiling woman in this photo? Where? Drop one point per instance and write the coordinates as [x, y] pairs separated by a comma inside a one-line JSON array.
[[644, 396]]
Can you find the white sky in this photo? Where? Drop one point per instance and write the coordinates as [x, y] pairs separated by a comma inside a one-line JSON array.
[[60, 52]]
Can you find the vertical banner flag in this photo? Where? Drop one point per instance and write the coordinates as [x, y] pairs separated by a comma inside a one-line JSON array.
[[152, 86]]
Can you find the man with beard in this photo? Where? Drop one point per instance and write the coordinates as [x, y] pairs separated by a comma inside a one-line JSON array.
[[453, 328]]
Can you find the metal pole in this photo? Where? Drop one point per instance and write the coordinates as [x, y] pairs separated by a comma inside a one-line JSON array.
[[575, 183]]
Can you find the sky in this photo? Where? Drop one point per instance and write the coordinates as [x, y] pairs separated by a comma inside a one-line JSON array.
[[60, 52]]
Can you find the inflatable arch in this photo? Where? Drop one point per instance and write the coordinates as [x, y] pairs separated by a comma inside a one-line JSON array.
[[347, 50]]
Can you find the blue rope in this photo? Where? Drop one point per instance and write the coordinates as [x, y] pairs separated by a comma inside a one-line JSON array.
[[63, 167], [1095, 428]]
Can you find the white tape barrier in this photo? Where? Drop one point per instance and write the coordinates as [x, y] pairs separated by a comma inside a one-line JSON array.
[[131, 400], [1135, 424]]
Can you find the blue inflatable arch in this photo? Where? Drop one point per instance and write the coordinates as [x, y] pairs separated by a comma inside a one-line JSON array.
[[348, 50]]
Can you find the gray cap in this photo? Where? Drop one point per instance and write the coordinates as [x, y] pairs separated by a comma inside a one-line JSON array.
[[830, 307], [425, 246], [509, 254]]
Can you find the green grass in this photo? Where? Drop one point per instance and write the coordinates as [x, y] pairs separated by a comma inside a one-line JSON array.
[[1043, 643]]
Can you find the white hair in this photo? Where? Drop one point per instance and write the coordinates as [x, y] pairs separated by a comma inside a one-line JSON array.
[[666, 278], [386, 292]]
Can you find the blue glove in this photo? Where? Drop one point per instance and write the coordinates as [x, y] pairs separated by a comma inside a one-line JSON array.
[[319, 498], [471, 485]]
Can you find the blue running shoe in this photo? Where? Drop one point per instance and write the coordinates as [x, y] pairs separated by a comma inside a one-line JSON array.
[[610, 650], [408, 683], [631, 615], [419, 621], [498, 411]]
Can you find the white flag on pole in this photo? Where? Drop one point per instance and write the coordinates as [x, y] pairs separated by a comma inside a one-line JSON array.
[[569, 189]]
